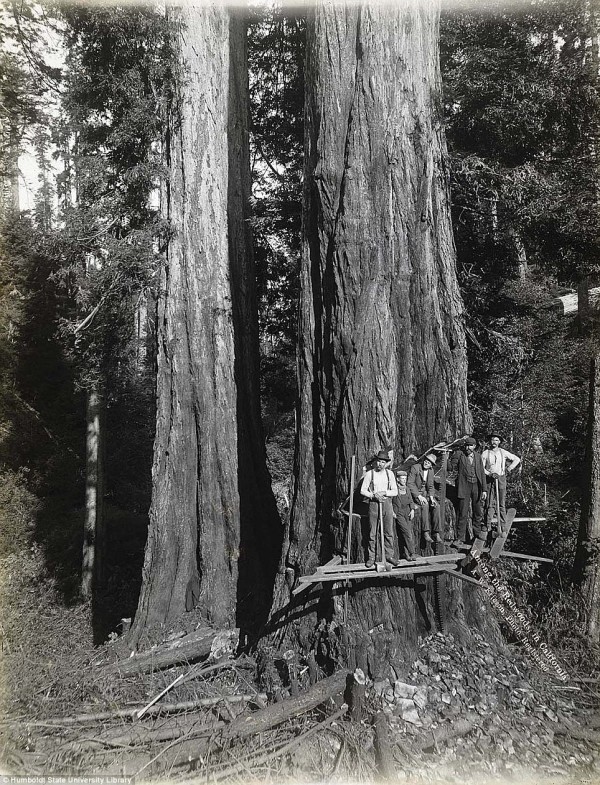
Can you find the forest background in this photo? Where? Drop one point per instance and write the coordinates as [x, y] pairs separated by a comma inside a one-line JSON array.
[[79, 271]]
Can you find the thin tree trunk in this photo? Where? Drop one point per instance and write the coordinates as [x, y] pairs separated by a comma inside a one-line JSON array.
[[382, 357], [586, 567], [94, 539], [9, 178], [210, 486]]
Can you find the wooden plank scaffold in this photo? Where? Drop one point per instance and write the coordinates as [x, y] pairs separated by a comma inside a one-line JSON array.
[[451, 562]]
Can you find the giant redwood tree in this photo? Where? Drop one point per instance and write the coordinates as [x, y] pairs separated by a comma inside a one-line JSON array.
[[213, 536], [382, 359]]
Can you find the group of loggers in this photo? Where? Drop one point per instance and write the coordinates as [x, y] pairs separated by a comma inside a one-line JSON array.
[[480, 481]]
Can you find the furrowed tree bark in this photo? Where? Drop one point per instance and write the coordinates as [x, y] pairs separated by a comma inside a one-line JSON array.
[[201, 509], [382, 356], [260, 528]]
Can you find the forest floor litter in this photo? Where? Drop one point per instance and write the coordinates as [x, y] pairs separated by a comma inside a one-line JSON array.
[[458, 713]]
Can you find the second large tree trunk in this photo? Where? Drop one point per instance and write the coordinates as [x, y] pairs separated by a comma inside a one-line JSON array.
[[382, 357], [210, 484]]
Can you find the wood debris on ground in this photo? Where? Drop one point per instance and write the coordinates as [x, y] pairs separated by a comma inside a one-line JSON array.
[[456, 713]]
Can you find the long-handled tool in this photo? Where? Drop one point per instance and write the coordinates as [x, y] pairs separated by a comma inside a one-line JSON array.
[[498, 521], [350, 510], [381, 565], [349, 533]]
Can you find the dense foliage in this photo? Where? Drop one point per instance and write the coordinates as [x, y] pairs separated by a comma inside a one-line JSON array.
[[521, 102]]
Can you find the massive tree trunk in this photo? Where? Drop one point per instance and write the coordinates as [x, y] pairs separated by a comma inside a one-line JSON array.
[[203, 505], [382, 357]]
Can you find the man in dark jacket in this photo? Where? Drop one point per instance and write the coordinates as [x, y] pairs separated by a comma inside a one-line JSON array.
[[470, 487]]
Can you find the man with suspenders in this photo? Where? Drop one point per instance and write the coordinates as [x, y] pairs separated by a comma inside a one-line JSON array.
[[379, 488], [497, 463]]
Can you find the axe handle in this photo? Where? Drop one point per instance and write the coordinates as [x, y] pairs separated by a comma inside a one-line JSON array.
[[380, 513], [498, 521]]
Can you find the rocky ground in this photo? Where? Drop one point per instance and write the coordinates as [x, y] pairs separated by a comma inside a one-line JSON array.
[[460, 713]]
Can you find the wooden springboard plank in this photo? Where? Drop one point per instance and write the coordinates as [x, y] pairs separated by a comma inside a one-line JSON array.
[[498, 543], [450, 557], [364, 574]]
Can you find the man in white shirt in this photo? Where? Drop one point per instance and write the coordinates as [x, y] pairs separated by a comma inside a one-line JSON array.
[[379, 488], [497, 463]]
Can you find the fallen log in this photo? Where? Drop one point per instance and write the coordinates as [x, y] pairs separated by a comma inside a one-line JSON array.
[[162, 708], [277, 713], [266, 718], [440, 736], [187, 649], [173, 728]]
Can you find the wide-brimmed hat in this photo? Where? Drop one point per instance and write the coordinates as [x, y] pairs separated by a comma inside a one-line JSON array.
[[431, 458], [495, 435], [381, 456]]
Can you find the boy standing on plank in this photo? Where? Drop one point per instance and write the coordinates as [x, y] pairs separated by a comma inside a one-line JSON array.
[[404, 513]]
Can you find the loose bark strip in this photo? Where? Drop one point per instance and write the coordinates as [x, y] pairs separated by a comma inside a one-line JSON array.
[[189, 649], [383, 751]]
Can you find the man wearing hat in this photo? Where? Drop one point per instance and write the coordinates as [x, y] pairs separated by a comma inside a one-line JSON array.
[[404, 513], [471, 486], [379, 488], [497, 463], [420, 484]]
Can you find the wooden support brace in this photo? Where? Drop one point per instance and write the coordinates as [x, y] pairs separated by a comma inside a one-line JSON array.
[[303, 585], [463, 577], [498, 543], [513, 555]]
